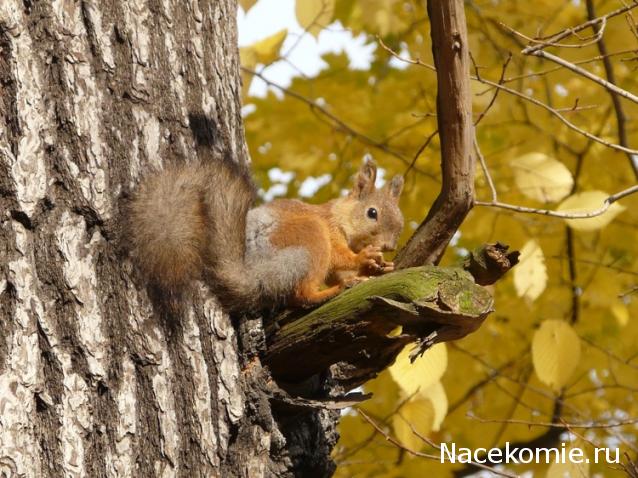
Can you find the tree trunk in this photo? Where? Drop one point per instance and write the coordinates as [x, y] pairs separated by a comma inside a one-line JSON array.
[[92, 382]]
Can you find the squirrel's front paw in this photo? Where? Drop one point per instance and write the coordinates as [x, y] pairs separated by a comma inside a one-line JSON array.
[[370, 259], [387, 267], [372, 262]]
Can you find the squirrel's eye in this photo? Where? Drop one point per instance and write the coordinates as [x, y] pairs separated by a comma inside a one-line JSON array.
[[372, 213]]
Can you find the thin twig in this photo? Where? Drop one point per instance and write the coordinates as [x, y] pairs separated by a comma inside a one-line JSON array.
[[493, 99], [609, 353], [563, 215], [629, 292], [337, 121], [429, 456], [541, 392], [599, 264], [595, 38], [582, 72], [350, 452], [489, 378], [393, 440], [570, 31], [420, 150], [564, 120], [416, 61], [589, 425], [486, 172], [559, 68], [532, 100], [621, 118]]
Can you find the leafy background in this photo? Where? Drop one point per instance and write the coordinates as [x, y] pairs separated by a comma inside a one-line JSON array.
[[561, 345]]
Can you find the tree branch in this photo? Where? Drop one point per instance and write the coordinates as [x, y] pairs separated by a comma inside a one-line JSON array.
[[570, 31], [564, 215], [430, 304], [454, 115], [534, 101], [621, 118], [419, 454], [615, 90]]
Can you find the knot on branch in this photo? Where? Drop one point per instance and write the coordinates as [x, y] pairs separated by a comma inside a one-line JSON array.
[[490, 262]]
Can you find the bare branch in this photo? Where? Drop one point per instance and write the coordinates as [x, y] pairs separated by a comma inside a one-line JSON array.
[[486, 172], [621, 119], [425, 144], [450, 49], [399, 445], [564, 120], [597, 37], [536, 102], [570, 31], [562, 424], [416, 61], [559, 68], [582, 72], [609, 353], [493, 99], [393, 440], [563, 215]]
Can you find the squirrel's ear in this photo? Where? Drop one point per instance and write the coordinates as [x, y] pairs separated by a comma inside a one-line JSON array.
[[395, 186], [364, 181]]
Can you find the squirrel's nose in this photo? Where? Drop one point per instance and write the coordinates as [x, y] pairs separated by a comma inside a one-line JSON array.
[[388, 248]]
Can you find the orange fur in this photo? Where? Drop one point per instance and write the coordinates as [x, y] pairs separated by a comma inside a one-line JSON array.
[[336, 259], [194, 221]]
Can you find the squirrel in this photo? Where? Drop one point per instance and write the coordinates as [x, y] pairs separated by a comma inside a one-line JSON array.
[[196, 221]]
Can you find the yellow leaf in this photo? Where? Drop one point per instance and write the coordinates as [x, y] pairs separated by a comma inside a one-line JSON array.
[[267, 50], [570, 469], [530, 276], [423, 373], [247, 4], [621, 313], [589, 201], [264, 51], [314, 15], [555, 353], [385, 395], [398, 330], [542, 178], [419, 413], [436, 394], [383, 21]]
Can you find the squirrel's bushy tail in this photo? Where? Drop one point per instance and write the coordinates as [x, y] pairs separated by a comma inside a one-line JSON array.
[[188, 222]]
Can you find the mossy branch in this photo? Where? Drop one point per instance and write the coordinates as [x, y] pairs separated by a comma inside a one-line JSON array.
[[357, 329]]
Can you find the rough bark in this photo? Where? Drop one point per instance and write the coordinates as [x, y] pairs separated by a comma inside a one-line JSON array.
[[92, 382]]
